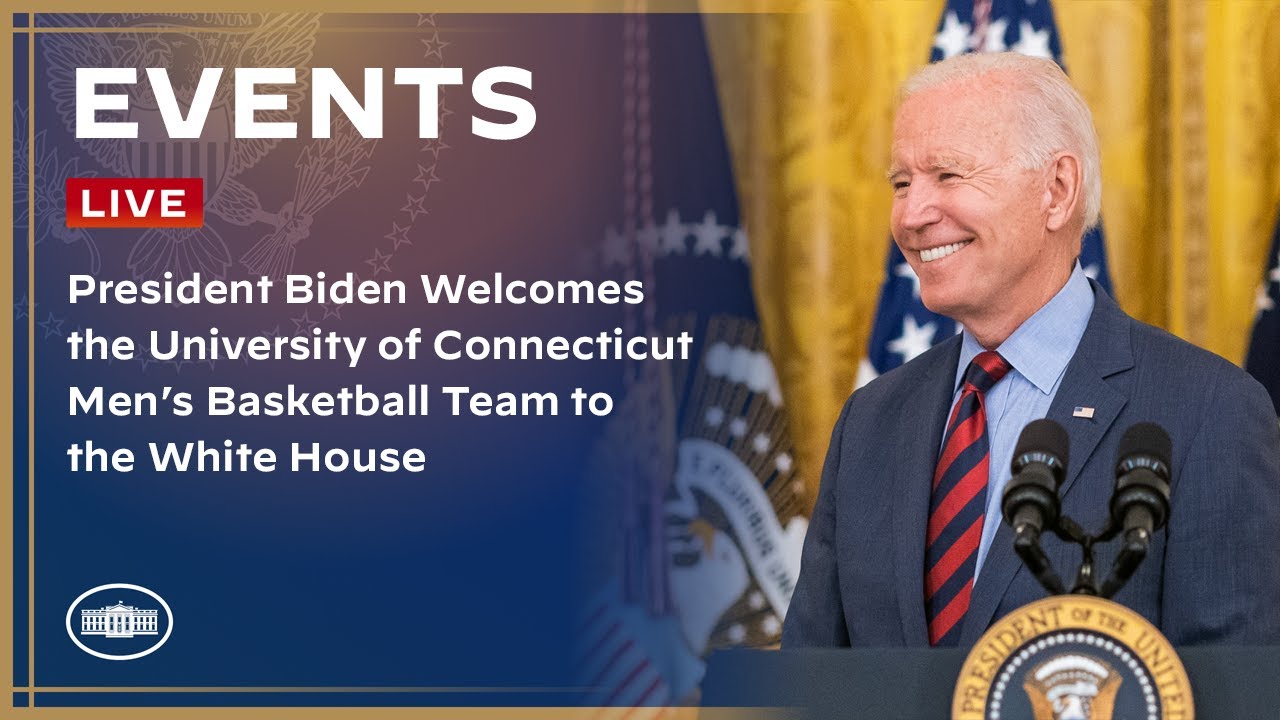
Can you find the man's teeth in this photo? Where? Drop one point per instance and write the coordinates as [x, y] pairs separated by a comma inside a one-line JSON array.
[[940, 252]]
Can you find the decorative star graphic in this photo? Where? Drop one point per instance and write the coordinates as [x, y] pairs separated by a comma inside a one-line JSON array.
[[715, 416], [708, 234], [434, 45], [380, 262], [398, 236], [52, 326], [1032, 42], [953, 38], [413, 206], [303, 324], [434, 146], [673, 235], [915, 339], [443, 113], [426, 176], [426, 19], [904, 270], [22, 308], [332, 310], [738, 427]]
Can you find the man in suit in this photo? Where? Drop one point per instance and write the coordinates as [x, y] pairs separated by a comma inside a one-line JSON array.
[[996, 178]]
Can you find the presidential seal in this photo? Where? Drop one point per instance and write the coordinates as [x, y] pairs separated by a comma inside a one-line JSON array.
[[1072, 657]]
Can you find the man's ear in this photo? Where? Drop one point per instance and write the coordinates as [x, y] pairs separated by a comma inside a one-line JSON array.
[[1065, 192]]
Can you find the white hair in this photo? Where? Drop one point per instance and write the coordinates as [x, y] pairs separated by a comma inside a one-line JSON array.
[[1055, 117]]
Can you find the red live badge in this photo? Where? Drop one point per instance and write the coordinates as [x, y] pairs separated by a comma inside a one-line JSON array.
[[135, 202]]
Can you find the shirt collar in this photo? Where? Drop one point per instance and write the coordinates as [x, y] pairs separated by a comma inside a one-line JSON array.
[[1041, 347]]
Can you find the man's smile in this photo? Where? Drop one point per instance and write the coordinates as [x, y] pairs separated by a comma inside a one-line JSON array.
[[931, 254]]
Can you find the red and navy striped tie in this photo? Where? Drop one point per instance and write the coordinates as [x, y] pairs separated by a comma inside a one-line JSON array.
[[958, 503]]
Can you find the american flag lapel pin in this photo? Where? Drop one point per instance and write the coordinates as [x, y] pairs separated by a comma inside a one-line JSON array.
[[1082, 412]]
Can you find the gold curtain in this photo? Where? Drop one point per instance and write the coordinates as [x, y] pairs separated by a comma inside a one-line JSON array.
[[1186, 97]]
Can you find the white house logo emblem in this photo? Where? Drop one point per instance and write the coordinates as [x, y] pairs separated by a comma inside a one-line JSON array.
[[119, 621]]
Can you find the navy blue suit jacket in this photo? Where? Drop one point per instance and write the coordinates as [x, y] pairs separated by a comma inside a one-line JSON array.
[[1212, 576]]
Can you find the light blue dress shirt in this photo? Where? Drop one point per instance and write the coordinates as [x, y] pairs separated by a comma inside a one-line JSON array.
[[1039, 351]]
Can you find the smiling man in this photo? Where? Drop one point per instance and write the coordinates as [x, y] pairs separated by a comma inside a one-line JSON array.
[[996, 177]]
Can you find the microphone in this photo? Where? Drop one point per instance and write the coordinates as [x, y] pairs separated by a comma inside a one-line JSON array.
[[1030, 502], [1140, 504], [1141, 499]]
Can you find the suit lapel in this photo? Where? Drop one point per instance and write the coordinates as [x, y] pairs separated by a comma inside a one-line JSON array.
[[920, 430], [1105, 349]]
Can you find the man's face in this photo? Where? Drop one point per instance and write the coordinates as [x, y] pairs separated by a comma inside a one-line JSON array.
[[970, 221]]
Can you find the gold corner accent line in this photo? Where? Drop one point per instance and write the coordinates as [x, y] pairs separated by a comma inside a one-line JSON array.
[[8, 331]]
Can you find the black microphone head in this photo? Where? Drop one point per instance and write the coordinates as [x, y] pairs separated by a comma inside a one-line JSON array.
[[1145, 445], [1042, 441]]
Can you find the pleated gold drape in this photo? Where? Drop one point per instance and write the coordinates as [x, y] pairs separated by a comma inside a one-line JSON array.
[[1186, 96]]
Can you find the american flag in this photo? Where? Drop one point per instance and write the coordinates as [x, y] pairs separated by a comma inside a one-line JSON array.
[[1264, 345], [903, 327]]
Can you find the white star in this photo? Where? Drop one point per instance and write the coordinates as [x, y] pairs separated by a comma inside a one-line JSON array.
[[904, 270], [770, 625], [783, 463], [673, 234], [739, 250], [737, 634], [953, 38], [738, 427], [760, 443], [707, 235], [915, 339], [1275, 274], [715, 416], [994, 40], [1032, 42], [756, 600], [1262, 301]]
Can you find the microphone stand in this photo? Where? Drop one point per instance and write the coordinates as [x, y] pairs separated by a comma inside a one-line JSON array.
[[1137, 542]]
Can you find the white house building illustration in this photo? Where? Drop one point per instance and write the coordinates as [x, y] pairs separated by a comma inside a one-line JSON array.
[[119, 620]]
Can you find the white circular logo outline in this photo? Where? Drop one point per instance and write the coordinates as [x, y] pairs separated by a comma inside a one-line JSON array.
[[121, 586]]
